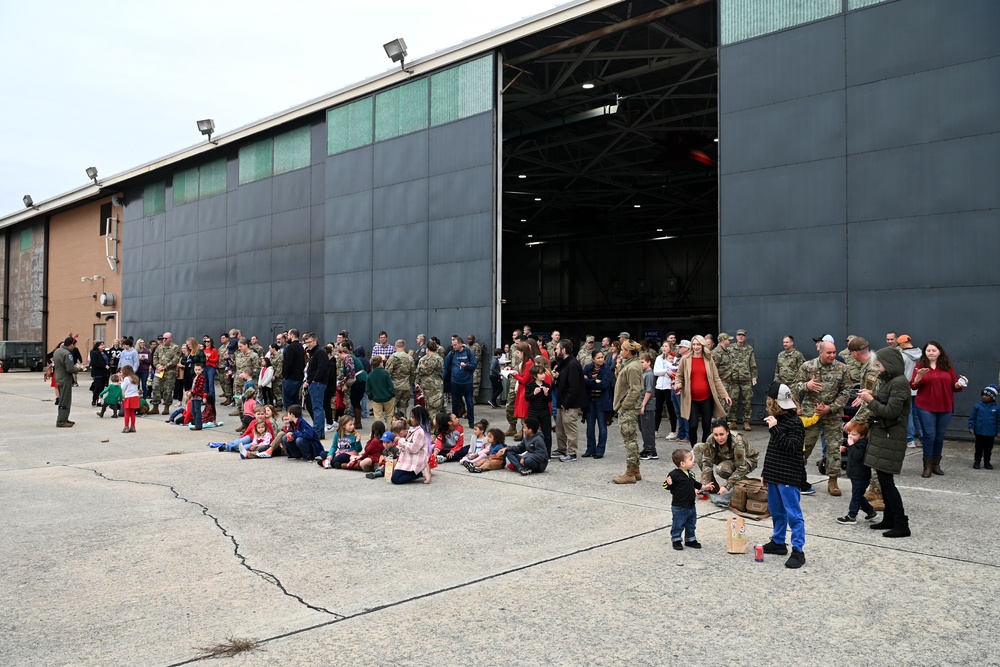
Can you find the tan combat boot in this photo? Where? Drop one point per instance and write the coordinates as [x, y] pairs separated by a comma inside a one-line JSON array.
[[732, 426], [635, 472], [832, 487], [511, 430], [625, 478], [877, 503], [746, 426], [155, 409], [871, 493]]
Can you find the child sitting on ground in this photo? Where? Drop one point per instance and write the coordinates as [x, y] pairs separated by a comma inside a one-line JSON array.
[[111, 397], [299, 440], [273, 414], [182, 414], [368, 458], [260, 447], [682, 486], [530, 455], [345, 444], [479, 452], [208, 418], [449, 443], [248, 434], [859, 474], [390, 440], [249, 407]]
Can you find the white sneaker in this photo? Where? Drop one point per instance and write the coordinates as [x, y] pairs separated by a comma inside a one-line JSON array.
[[243, 451], [911, 445], [672, 436], [331, 427]]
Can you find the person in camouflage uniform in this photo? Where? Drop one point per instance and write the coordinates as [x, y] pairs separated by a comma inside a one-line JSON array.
[[553, 343], [477, 375], [256, 348], [825, 387], [853, 367], [403, 372], [868, 379], [430, 378], [724, 365], [629, 391], [725, 457], [743, 377], [789, 360], [277, 361], [165, 361], [225, 370], [246, 366], [586, 353]]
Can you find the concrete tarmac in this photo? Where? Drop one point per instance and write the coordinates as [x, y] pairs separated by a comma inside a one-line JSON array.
[[140, 549]]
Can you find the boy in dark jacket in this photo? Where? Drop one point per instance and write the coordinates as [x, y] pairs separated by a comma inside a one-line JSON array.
[[299, 438], [783, 472], [530, 455], [984, 423], [859, 474], [682, 486]]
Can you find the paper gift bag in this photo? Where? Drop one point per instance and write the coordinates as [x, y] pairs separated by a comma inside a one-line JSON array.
[[736, 536], [390, 467]]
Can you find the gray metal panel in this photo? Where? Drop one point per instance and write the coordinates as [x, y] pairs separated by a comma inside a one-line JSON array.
[[291, 227], [254, 266], [184, 277], [293, 259], [183, 219], [153, 257], [318, 188], [394, 288], [357, 323], [811, 194], [317, 223], [460, 284], [211, 275], [248, 235], [317, 268], [133, 205], [154, 229], [350, 213], [461, 321], [152, 282], [398, 321], [410, 241], [474, 136], [809, 128], [401, 159], [349, 172], [249, 296], [783, 66], [318, 143], [804, 316], [894, 254], [803, 261], [253, 200], [347, 253], [212, 213], [940, 177], [945, 103], [345, 292], [899, 38], [182, 248], [292, 190], [212, 244], [400, 204], [461, 193], [284, 297], [467, 237]]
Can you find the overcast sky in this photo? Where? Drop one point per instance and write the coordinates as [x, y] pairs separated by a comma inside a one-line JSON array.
[[115, 84]]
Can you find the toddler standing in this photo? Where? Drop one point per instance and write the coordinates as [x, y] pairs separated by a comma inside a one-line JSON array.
[[682, 486], [859, 474], [130, 397], [984, 423]]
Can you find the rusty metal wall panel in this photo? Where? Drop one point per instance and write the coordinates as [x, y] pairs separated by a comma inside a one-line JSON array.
[[27, 283]]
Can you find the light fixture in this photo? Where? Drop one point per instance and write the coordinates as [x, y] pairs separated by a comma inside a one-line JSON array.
[[534, 243], [29, 202], [524, 220], [92, 174], [207, 127], [538, 199], [716, 140], [659, 230], [662, 238], [636, 205], [531, 236], [396, 50], [588, 85], [522, 175]]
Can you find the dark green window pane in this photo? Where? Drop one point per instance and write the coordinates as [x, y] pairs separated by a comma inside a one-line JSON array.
[[401, 110], [185, 186], [213, 178], [444, 96], [858, 4], [349, 126], [154, 198], [462, 91], [292, 150], [255, 162], [26, 239], [743, 20]]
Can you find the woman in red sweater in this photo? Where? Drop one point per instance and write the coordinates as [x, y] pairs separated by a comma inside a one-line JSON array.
[[701, 389], [211, 364], [936, 383], [523, 377]]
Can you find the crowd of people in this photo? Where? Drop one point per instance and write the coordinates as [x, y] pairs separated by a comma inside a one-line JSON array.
[[289, 397]]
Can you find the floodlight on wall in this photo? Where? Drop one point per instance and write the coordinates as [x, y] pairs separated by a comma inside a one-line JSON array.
[[29, 202], [396, 50], [92, 174], [207, 127]]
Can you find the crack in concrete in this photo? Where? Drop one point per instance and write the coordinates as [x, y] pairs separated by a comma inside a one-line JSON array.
[[266, 576]]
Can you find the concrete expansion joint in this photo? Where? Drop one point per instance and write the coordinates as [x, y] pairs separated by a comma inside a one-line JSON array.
[[266, 576]]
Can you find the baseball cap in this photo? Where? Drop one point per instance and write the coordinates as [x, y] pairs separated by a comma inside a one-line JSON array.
[[905, 338], [625, 335], [725, 336], [826, 339], [782, 394], [741, 332], [684, 343], [857, 343]]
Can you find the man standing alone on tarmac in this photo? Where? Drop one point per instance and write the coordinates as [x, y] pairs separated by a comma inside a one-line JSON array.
[[65, 367]]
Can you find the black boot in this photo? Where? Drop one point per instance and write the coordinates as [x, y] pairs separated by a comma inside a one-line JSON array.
[[888, 521], [975, 464], [103, 410], [901, 529]]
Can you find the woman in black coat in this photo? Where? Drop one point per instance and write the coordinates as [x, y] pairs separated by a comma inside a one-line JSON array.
[[99, 371], [890, 408]]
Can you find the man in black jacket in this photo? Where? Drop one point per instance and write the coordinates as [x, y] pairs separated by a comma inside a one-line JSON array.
[[572, 395], [317, 373], [293, 366]]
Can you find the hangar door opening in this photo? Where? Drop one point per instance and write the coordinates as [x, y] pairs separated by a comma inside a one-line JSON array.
[[609, 173]]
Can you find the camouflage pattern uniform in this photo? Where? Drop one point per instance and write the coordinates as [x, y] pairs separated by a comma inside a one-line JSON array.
[[404, 373], [585, 356], [742, 377], [277, 359], [430, 377], [725, 464], [477, 375], [853, 366], [167, 356], [835, 393], [787, 366], [244, 362], [226, 374], [515, 362], [258, 350], [869, 380], [550, 347], [724, 367], [628, 400]]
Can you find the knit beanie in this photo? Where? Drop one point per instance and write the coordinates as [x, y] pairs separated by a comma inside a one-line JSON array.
[[992, 391]]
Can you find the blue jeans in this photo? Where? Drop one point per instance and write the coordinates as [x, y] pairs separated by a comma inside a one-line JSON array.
[[555, 405], [933, 425], [685, 520], [404, 476], [683, 433], [786, 512], [210, 380], [316, 392], [234, 445], [596, 416], [858, 500], [913, 423], [196, 411], [463, 392], [290, 392]]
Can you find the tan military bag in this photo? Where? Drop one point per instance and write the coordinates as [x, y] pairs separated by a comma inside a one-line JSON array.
[[750, 499]]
